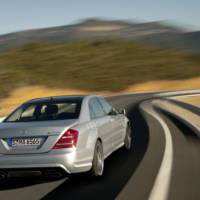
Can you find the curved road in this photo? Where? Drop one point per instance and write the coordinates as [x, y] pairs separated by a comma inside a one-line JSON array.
[[134, 175]]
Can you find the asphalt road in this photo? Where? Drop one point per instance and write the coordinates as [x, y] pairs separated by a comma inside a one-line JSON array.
[[128, 175]]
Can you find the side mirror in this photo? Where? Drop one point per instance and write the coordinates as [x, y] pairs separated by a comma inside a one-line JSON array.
[[113, 112], [122, 111]]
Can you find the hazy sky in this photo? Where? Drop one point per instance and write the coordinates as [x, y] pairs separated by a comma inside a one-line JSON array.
[[18, 15]]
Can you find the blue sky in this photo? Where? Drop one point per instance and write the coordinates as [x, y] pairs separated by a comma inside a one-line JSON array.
[[16, 15]]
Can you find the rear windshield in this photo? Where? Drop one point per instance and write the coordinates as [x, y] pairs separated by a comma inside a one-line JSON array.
[[45, 111]]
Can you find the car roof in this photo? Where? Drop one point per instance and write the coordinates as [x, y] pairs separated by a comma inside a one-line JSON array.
[[77, 98]]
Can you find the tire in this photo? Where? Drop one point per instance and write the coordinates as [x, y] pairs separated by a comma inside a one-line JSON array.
[[98, 160], [128, 139]]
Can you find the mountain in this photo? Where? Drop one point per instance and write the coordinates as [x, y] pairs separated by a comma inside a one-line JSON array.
[[154, 33]]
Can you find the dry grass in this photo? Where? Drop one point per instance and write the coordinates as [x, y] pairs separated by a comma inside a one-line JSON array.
[[20, 95]]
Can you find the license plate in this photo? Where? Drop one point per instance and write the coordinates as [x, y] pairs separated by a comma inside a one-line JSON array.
[[24, 142]]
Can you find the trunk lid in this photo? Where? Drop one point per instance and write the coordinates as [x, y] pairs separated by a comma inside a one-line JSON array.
[[18, 138]]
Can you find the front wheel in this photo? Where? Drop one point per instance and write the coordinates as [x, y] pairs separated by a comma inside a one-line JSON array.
[[98, 160], [128, 139]]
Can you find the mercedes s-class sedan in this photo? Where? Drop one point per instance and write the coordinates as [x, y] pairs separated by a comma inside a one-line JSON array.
[[56, 136]]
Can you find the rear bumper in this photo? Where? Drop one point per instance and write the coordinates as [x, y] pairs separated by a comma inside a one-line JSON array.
[[60, 159], [50, 172]]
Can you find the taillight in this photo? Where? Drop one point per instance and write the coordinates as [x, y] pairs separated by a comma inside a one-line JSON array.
[[67, 140]]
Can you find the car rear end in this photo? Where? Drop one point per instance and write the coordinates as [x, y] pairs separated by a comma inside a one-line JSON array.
[[40, 147]]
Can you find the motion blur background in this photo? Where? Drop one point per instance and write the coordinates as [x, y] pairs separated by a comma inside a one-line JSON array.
[[50, 47]]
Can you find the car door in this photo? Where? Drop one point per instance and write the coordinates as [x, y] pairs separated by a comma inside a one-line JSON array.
[[119, 126], [102, 123], [117, 123]]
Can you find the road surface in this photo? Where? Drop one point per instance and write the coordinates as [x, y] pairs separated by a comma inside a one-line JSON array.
[[162, 165]]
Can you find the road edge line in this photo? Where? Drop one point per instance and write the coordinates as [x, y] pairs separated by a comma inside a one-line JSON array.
[[161, 185]]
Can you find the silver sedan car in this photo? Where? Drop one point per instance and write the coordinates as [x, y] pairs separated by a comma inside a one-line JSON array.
[[61, 135]]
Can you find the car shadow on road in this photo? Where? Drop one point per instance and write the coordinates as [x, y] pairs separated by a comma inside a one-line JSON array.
[[14, 183]]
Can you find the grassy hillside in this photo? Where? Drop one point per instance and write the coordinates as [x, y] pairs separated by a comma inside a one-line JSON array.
[[93, 65], [188, 42]]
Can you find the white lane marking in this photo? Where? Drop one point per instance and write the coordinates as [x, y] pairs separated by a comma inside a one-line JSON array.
[[161, 185]]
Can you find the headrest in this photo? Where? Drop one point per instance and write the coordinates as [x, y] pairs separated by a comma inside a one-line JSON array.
[[51, 109]]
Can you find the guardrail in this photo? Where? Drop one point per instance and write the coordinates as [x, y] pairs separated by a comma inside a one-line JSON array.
[[178, 93], [187, 117]]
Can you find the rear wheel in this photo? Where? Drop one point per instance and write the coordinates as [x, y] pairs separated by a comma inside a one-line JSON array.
[[128, 139], [98, 160]]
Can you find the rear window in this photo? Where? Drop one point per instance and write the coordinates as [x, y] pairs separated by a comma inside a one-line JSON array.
[[45, 111]]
